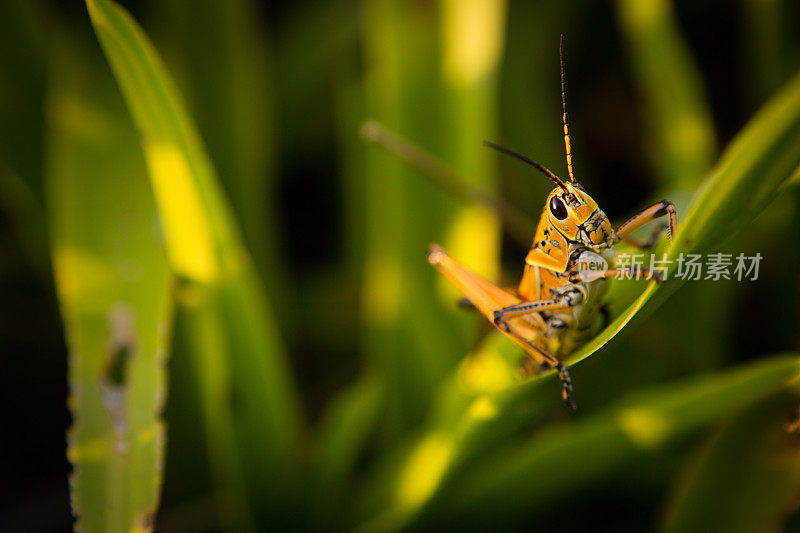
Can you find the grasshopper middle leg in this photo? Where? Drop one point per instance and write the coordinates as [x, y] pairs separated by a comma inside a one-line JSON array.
[[568, 299]]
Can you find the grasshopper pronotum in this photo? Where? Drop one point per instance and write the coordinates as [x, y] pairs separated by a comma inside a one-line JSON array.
[[552, 310]]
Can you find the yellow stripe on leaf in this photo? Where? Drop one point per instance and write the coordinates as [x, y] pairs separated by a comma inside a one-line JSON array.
[[190, 241]]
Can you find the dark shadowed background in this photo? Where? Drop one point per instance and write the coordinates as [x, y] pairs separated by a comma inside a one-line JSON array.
[[281, 126]]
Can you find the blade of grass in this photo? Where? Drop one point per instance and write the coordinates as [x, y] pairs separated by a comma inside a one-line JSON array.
[[23, 85], [26, 216], [225, 60], [680, 145], [559, 459], [351, 417], [517, 223], [23, 70], [341, 439], [405, 228], [746, 478], [681, 141], [242, 360], [401, 216], [411, 336], [220, 58], [407, 475], [113, 286], [472, 36], [763, 29]]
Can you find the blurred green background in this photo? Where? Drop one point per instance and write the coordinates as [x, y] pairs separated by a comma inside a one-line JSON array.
[[321, 382]]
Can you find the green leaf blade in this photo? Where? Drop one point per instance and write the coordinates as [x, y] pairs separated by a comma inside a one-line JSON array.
[[254, 424], [563, 457], [680, 138], [745, 478], [113, 286]]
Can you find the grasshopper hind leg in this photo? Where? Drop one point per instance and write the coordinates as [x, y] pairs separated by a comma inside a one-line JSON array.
[[488, 298]]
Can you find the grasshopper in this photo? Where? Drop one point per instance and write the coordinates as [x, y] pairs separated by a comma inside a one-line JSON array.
[[552, 310]]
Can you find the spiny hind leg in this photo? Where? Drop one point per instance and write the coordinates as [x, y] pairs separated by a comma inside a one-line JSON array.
[[552, 362]]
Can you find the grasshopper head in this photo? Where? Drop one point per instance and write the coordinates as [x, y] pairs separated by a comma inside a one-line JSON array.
[[570, 209], [575, 214]]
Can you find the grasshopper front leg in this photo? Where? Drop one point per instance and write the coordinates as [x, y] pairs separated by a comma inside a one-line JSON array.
[[653, 212], [575, 276]]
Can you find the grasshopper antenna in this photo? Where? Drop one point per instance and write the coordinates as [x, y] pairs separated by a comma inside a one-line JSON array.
[[555, 179], [564, 116]]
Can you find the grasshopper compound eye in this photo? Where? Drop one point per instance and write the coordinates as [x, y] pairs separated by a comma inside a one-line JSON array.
[[557, 208]]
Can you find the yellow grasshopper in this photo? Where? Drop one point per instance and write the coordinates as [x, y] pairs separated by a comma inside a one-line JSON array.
[[559, 298]]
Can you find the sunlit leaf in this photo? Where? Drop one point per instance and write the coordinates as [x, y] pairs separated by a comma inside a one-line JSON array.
[[113, 286], [563, 457], [239, 358]]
